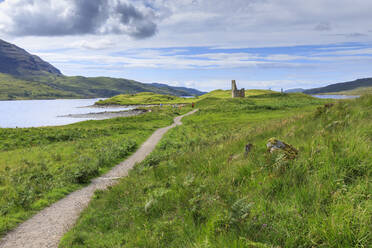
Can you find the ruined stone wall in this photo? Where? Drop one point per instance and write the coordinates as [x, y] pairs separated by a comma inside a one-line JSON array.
[[240, 93], [235, 92]]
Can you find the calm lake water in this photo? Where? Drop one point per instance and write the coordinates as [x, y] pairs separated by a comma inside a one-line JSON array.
[[36, 113], [335, 96]]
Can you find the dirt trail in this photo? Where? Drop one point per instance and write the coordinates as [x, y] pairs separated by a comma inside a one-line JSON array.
[[46, 228]]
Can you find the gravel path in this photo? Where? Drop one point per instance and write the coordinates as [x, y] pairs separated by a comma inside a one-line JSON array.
[[46, 228]]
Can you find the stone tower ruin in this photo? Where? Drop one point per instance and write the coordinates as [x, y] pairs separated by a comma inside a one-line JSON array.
[[235, 92]]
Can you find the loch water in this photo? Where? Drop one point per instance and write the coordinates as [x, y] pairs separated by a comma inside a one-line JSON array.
[[37, 113], [335, 96]]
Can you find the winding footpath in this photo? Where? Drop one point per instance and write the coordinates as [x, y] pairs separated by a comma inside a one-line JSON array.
[[45, 229]]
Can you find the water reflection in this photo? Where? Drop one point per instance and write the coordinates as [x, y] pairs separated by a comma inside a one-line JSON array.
[[335, 96], [36, 113]]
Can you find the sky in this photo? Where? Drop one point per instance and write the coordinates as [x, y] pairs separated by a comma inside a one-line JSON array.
[[203, 44]]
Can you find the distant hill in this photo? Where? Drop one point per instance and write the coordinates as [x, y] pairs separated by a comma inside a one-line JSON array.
[[16, 61], [341, 87], [295, 90], [50, 86], [26, 76], [355, 92]]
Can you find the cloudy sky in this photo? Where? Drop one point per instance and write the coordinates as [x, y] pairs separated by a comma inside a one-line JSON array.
[[198, 43]]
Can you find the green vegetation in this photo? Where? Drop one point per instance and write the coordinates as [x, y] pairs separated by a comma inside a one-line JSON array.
[[152, 98], [49, 86], [41, 165], [145, 98], [341, 87], [26, 76], [227, 93], [12, 88], [355, 92], [199, 190]]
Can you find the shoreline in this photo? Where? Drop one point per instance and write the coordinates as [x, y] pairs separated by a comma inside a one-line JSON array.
[[135, 105], [107, 114]]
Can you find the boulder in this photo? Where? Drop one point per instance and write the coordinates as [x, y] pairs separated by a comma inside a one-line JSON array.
[[276, 145]]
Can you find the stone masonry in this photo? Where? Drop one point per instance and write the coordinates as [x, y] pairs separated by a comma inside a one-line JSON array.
[[235, 92]]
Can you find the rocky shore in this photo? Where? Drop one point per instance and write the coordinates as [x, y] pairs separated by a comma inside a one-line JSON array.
[[107, 114]]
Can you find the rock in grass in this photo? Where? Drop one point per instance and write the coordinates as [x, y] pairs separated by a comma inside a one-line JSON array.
[[276, 145], [248, 148]]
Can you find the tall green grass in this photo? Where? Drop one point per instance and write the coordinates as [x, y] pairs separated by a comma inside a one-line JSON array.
[[41, 165], [143, 98], [199, 190]]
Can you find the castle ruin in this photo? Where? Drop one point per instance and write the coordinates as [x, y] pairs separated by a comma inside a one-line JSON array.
[[235, 92]]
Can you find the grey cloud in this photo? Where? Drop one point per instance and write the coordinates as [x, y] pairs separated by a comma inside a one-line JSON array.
[[89, 15], [356, 35], [323, 26], [142, 27], [81, 17], [352, 35], [128, 12], [85, 17]]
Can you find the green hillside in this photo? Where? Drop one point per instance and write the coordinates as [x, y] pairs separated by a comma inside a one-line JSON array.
[[13, 88], [227, 93], [26, 76], [153, 98], [341, 87], [198, 189], [39, 166], [49, 86], [354, 92], [143, 98]]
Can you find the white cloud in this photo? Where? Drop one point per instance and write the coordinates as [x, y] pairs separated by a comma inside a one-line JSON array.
[[235, 23], [92, 45], [199, 23]]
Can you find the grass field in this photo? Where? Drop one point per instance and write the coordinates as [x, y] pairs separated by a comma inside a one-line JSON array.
[[355, 92], [41, 165], [146, 98], [199, 190]]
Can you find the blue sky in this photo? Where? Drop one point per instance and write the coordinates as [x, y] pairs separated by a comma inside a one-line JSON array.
[[199, 43]]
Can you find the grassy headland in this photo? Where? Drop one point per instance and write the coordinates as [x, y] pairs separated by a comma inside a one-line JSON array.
[[144, 98], [227, 93], [41, 165], [199, 190], [148, 98]]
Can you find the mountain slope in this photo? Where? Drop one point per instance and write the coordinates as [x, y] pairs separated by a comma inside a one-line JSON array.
[[16, 61], [50, 86], [346, 86], [26, 76]]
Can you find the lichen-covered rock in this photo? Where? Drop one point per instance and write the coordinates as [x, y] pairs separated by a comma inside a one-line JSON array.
[[276, 145]]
